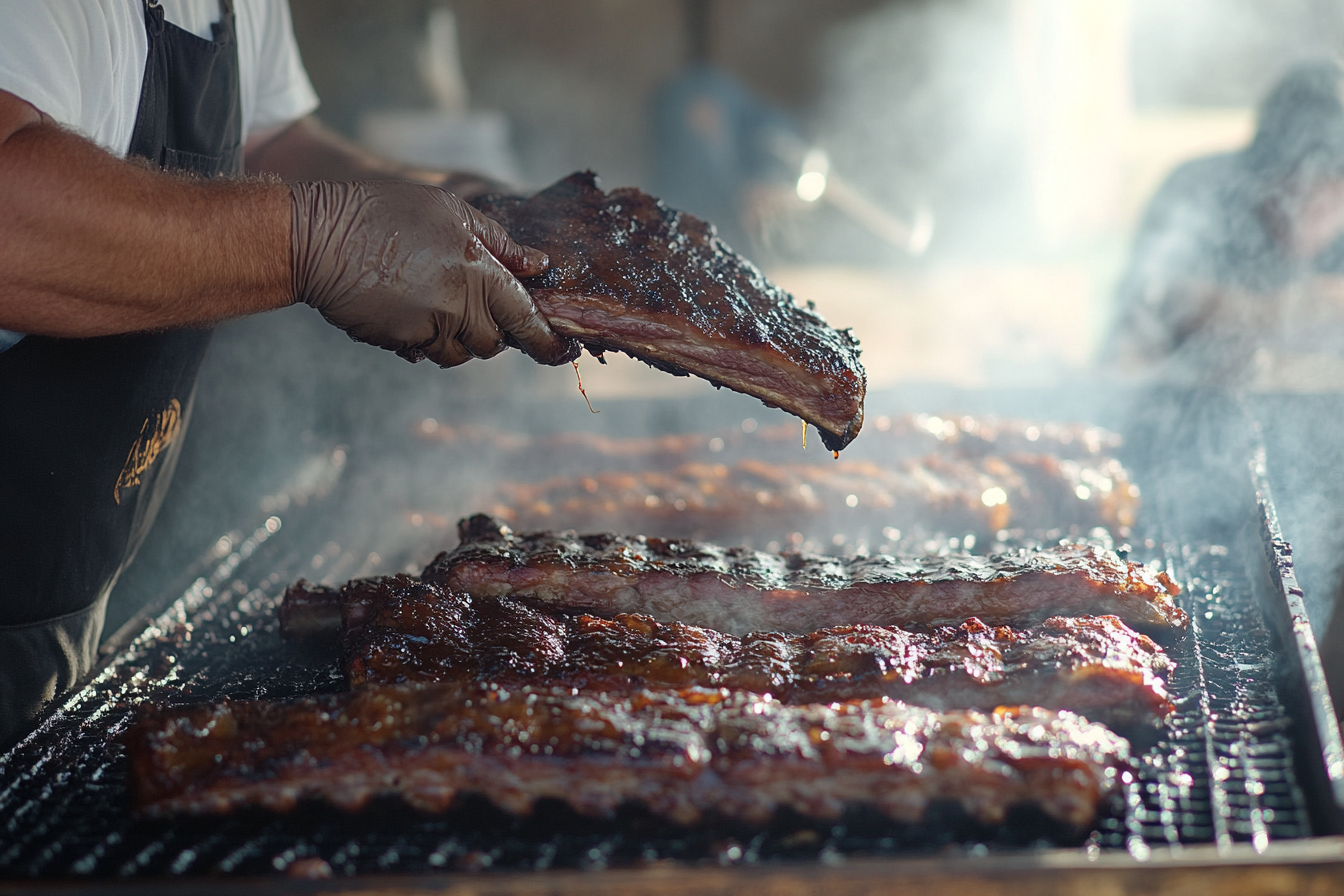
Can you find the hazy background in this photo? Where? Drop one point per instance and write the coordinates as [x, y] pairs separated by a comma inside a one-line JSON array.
[[1035, 131]]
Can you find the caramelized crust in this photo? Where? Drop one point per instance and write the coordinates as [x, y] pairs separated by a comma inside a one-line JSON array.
[[738, 590], [680, 753], [629, 274], [400, 629]]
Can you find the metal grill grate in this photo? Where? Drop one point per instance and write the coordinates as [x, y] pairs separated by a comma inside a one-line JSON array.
[[1222, 771]]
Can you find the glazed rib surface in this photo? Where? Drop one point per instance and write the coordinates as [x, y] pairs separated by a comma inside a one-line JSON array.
[[629, 274], [680, 753], [399, 629], [737, 590]]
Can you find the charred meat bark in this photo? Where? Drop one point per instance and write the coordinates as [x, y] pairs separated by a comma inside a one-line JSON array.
[[399, 629], [629, 274], [737, 590], [680, 753]]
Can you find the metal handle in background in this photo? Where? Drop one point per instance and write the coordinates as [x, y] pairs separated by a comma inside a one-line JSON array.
[[818, 182], [913, 237]]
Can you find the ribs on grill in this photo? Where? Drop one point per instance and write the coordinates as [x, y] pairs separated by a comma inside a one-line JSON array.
[[680, 753], [900, 438], [629, 274], [399, 629], [760, 501], [739, 591]]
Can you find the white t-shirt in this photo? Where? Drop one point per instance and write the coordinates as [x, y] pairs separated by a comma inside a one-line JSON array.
[[82, 62]]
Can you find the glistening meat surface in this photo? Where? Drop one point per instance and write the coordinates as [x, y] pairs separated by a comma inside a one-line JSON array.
[[629, 274], [400, 629], [680, 753], [737, 590]]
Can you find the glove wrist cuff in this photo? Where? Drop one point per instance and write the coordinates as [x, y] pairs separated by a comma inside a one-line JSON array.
[[303, 198]]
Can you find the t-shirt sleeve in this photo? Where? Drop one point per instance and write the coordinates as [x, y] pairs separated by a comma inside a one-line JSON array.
[[37, 61], [78, 62], [282, 92]]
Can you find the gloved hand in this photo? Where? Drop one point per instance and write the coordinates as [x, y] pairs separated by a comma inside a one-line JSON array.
[[417, 271]]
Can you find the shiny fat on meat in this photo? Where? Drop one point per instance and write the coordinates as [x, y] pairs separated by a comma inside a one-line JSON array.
[[681, 754], [629, 274]]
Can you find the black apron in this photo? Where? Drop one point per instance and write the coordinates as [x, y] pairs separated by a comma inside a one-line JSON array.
[[90, 429]]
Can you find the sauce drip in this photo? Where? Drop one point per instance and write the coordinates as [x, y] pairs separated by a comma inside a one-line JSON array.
[[578, 376]]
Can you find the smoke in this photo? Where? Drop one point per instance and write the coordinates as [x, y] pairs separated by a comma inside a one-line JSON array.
[[919, 101], [1225, 53], [1204, 308]]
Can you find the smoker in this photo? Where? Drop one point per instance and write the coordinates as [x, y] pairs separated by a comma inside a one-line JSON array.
[[1242, 789]]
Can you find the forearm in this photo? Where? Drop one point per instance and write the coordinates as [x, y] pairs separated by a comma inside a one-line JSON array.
[[92, 245], [308, 150]]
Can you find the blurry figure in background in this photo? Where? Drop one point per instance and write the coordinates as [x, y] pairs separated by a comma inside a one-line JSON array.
[[1235, 281], [730, 158], [1226, 263], [719, 153]]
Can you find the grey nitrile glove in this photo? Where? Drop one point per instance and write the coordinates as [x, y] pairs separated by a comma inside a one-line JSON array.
[[417, 271]]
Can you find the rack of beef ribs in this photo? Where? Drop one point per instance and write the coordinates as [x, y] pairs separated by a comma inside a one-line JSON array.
[[400, 629], [738, 590], [682, 754], [629, 274]]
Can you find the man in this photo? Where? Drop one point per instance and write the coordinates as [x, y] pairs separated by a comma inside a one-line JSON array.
[[1235, 279], [126, 234], [1228, 242]]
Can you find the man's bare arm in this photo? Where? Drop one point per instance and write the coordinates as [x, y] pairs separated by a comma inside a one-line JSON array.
[[308, 150], [92, 245]]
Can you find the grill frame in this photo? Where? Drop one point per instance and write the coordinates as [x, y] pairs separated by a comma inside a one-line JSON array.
[[1318, 760], [1302, 677]]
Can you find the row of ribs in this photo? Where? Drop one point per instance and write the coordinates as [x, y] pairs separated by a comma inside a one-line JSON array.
[[683, 754], [770, 501], [905, 437], [739, 590], [696, 680], [918, 475], [401, 629]]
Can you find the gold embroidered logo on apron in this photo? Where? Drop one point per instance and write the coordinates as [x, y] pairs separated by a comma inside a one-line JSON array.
[[156, 434]]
